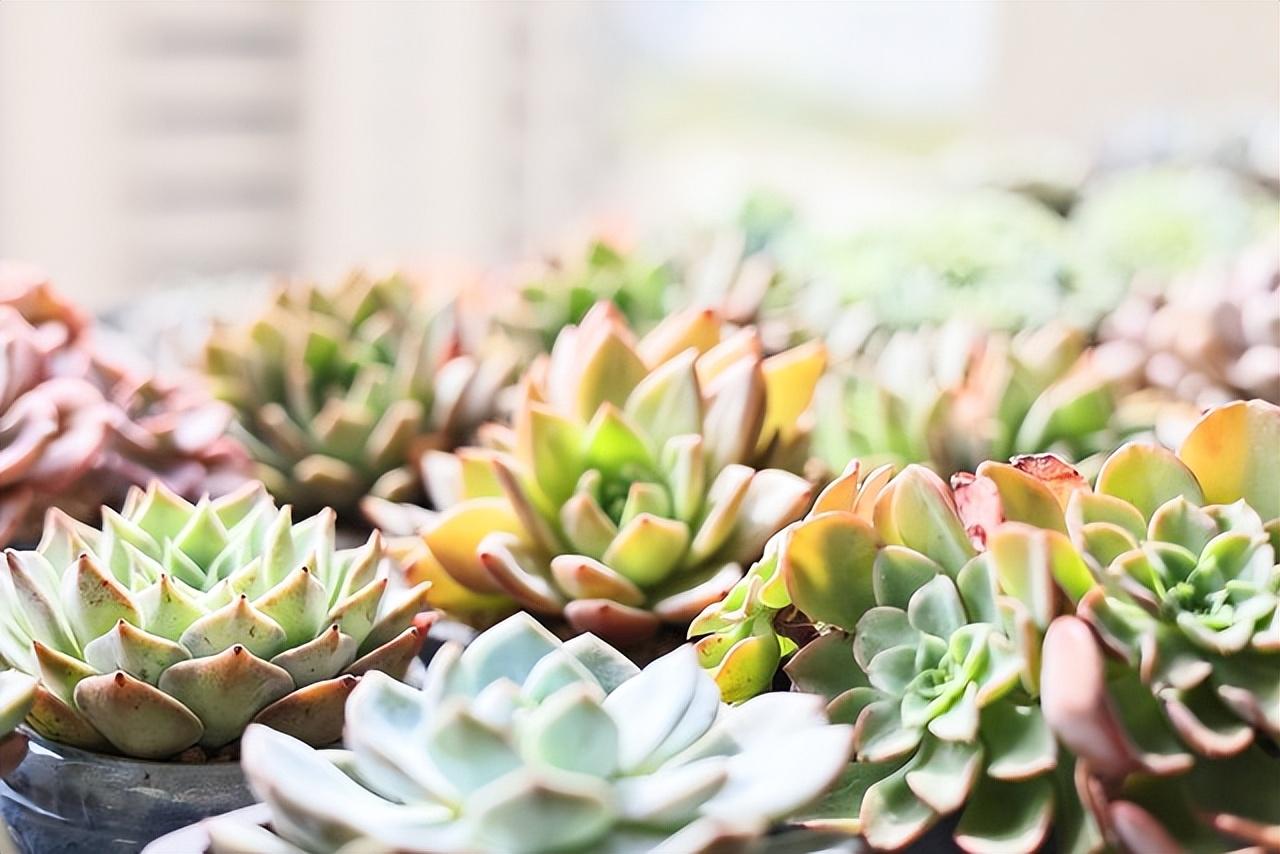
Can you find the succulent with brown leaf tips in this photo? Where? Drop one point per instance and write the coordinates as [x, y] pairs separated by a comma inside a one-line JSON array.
[[80, 426], [17, 695], [175, 625], [339, 390], [954, 396], [634, 486]]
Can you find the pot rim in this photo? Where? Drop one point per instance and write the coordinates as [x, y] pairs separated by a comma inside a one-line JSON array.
[[61, 751]]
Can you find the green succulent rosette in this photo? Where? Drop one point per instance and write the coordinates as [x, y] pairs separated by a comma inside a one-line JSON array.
[[524, 744], [1164, 220], [927, 629], [175, 625], [634, 487], [560, 292], [998, 259], [1174, 658], [338, 391], [953, 396]]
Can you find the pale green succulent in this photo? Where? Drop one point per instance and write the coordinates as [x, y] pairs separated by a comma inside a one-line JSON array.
[[176, 624], [339, 391], [522, 743], [953, 396], [1165, 220], [997, 258]]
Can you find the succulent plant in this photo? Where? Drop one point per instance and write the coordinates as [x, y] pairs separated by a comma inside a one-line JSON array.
[[953, 397], [997, 258], [1201, 340], [1168, 680], [1161, 221], [338, 391], [559, 292], [927, 630], [176, 624], [632, 489], [17, 694], [80, 426], [522, 743]]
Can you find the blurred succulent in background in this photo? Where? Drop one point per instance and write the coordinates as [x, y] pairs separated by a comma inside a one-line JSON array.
[[1167, 684], [633, 487], [953, 396], [339, 391], [177, 624], [81, 425], [1200, 340], [1163, 221], [998, 260], [927, 641], [523, 744], [560, 291]]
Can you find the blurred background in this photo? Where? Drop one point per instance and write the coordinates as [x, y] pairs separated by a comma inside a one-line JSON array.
[[145, 144]]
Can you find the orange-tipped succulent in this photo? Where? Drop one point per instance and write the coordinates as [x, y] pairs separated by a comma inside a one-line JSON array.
[[338, 390], [634, 486]]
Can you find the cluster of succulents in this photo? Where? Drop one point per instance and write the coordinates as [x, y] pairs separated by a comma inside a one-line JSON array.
[[1034, 654], [522, 743], [1001, 627], [634, 485], [339, 390], [954, 396], [175, 625], [80, 425]]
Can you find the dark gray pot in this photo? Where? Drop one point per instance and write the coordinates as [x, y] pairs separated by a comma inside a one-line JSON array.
[[62, 800]]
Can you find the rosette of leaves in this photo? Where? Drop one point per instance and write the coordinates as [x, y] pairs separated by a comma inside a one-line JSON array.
[[338, 391], [522, 743], [633, 487], [80, 426], [997, 258], [953, 397], [926, 641], [1167, 685], [1161, 221], [175, 625], [560, 291]]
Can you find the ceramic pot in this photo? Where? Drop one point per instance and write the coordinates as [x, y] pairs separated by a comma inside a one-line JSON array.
[[62, 800]]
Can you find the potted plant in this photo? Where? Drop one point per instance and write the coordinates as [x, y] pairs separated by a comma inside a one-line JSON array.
[[524, 743], [158, 637], [638, 479]]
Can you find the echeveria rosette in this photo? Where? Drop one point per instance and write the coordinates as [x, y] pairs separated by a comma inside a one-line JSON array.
[[998, 258], [1164, 220], [80, 426], [632, 489], [927, 645], [954, 396], [559, 292], [338, 391], [175, 625], [524, 744]]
